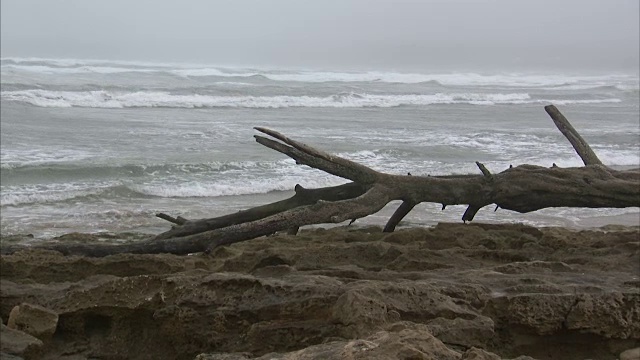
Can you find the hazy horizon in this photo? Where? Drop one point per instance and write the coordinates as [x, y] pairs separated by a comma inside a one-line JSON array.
[[351, 35]]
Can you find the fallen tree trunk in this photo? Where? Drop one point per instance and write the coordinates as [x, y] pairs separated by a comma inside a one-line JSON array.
[[524, 188]]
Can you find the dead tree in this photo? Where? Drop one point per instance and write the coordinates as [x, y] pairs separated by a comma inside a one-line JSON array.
[[523, 189]]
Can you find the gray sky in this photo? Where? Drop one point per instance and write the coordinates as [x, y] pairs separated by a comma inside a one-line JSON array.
[[347, 34]]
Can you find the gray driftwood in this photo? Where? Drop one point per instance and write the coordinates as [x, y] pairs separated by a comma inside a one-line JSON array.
[[523, 189]]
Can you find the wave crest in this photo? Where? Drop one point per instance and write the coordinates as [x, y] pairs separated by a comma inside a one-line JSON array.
[[523, 80], [107, 99]]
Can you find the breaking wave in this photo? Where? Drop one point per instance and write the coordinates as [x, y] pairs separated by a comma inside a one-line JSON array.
[[84, 192], [107, 99], [76, 66]]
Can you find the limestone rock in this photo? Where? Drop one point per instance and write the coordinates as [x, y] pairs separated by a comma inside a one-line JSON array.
[[15, 342], [534, 266], [407, 340], [631, 354], [479, 354], [464, 332], [332, 293], [355, 308], [34, 320], [6, 356], [225, 356], [400, 341], [615, 315], [542, 313]]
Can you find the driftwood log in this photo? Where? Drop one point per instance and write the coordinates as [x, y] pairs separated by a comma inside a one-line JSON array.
[[523, 189]]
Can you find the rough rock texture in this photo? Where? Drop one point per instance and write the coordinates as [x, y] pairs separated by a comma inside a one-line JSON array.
[[631, 354], [16, 343], [479, 354], [400, 341], [33, 320], [454, 291]]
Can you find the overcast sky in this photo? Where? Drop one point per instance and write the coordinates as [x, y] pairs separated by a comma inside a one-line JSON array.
[[349, 34]]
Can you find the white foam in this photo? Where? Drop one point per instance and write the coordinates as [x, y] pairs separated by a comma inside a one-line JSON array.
[[547, 81], [619, 157], [229, 187], [586, 101], [75, 70], [39, 194], [12, 158], [12, 199], [575, 87], [107, 99], [628, 86], [234, 83], [80, 62], [209, 72], [453, 79]]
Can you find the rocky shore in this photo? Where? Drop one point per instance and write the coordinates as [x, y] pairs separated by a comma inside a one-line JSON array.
[[453, 291]]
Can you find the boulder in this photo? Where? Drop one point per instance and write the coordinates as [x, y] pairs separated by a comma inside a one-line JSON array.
[[631, 354], [34, 320], [15, 342]]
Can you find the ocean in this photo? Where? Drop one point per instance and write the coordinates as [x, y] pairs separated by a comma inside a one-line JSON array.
[[97, 145]]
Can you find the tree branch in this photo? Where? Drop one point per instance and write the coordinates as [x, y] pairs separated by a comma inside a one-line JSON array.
[[177, 220], [398, 215], [582, 147], [301, 197]]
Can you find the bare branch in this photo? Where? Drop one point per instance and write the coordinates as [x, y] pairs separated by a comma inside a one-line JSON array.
[[301, 197], [179, 220], [484, 170], [399, 214], [582, 147], [318, 159]]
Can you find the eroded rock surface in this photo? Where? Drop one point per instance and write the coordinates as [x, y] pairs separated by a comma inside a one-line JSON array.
[[33, 320], [450, 292], [15, 343]]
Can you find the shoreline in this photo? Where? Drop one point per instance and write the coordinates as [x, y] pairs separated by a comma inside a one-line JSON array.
[[621, 222], [629, 219], [418, 218]]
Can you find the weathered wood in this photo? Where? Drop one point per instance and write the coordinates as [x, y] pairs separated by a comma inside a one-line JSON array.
[[398, 215], [579, 144], [177, 220], [484, 170], [301, 197], [342, 167], [336, 166]]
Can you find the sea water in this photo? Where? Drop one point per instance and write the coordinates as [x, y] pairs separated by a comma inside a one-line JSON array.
[[97, 145]]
